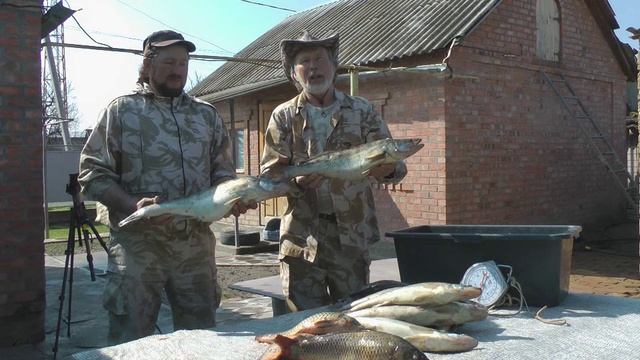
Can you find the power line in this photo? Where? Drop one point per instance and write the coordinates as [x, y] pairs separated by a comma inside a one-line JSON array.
[[171, 27], [107, 34], [260, 62], [267, 5], [86, 33]]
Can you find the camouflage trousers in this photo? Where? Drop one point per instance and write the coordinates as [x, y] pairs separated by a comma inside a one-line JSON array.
[[337, 272], [143, 264]]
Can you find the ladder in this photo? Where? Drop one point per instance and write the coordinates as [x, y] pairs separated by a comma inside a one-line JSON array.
[[592, 133]]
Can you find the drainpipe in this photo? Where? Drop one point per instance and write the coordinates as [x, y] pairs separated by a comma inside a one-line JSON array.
[[232, 129], [353, 81], [635, 34]]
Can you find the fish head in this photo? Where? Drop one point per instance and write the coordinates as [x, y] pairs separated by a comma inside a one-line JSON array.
[[278, 187], [400, 149], [273, 352]]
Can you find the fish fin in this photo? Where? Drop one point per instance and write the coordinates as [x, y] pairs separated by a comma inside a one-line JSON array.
[[266, 338], [232, 201], [322, 327], [376, 157], [284, 345], [273, 352]]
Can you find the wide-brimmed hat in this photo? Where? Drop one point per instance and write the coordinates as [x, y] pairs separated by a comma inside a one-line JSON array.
[[290, 47], [164, 38]]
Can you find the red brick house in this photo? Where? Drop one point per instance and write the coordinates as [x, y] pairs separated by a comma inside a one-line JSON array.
[[500, 146]]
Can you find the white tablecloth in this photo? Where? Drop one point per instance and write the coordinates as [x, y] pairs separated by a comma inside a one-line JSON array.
[[599, 327]]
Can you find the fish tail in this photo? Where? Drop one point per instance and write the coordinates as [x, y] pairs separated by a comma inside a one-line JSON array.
[[145, 212], [443, 342], [275, 174], [471, 292]]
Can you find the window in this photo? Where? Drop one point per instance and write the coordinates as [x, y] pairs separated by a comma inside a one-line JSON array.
[[548, 30], [239, 150]]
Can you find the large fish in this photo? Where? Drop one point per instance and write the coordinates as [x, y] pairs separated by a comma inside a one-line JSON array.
[[441, 316], [423, 338], [216, 202], [370, 288], [361, 345], [317, 324], [427, 293], [351, 164]]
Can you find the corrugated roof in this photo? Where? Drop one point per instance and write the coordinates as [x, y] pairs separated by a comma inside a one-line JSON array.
[[370, 31]]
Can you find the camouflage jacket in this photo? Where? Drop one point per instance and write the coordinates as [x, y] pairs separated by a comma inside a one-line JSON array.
[[151, 145], [287, 142]]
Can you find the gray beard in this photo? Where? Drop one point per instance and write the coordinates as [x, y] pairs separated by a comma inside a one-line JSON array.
[[317, 89]]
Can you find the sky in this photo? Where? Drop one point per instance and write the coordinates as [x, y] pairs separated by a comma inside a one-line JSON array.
[[216, 27]]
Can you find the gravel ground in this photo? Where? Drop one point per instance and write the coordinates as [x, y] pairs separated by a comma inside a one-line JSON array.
[[232, 274]]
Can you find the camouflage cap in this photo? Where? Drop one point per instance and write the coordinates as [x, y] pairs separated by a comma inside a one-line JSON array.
[[164, 38], [290, 47]]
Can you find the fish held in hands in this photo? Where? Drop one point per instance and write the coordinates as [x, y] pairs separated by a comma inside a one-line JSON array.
[[427, 293], [318, 324], [351, 164], [423, 338], [361, 345], [216, 202]]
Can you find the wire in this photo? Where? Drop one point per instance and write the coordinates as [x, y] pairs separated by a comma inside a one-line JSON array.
[[89, 36], [107, 34], [260, 62], [267, 5], [171, 27]]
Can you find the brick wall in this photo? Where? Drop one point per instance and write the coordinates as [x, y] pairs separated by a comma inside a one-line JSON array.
[[22, 296], [413, 106], [514, 155]]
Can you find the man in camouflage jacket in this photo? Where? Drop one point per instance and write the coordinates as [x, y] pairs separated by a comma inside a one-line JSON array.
[[157, 144], [325, 234]]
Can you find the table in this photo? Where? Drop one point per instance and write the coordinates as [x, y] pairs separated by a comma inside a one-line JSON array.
[[600, 327], [271, 286]]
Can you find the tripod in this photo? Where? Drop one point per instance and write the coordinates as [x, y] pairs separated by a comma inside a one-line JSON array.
[[79, 224]]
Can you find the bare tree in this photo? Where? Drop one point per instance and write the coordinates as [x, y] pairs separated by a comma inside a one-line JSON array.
[[194, 81], [52, 120]]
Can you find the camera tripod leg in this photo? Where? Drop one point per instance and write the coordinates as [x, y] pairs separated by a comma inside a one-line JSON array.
[[97, 235], [67, 262], [89, 255], [71, 271]]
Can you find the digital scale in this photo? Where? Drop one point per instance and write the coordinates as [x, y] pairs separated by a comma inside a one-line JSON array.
[[487, 276]]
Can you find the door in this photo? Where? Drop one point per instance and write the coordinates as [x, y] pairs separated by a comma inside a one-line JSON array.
[[272, 207]]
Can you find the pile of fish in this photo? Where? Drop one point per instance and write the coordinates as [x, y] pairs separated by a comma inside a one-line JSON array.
[[395, 323], [216, 202]]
